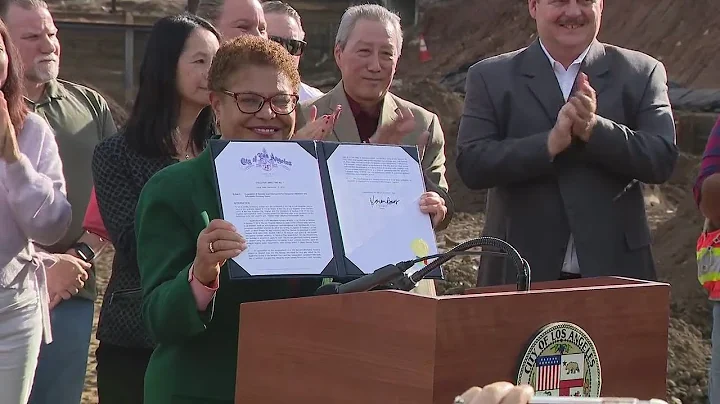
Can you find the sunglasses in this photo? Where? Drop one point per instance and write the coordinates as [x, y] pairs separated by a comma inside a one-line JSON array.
[[294, 46]]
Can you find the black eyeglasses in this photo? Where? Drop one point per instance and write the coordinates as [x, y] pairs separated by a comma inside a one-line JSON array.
[[294, 46], [251, 103]]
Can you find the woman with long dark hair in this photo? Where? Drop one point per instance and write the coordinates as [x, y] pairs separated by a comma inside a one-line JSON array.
[[159, 132], [33, 208]]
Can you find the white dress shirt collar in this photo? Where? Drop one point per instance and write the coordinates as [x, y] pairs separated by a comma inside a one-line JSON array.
[[565, 77]]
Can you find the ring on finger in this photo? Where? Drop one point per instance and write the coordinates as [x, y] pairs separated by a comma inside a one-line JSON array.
[[211, 247], [459, 400]]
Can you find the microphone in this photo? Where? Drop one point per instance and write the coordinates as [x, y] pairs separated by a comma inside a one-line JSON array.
[[383, 276], [407, 283], [394, 276], [364, 283]]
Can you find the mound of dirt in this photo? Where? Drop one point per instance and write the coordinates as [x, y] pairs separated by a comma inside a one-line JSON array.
[[674, 249], [688, 361], [460, 32]]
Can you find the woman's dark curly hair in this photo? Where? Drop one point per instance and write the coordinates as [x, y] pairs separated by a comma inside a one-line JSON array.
[[12, 88]]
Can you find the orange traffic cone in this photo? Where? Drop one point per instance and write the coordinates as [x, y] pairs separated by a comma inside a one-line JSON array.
[[424, 53]]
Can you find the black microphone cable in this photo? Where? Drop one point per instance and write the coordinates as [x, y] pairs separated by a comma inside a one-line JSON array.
[[521, 265]]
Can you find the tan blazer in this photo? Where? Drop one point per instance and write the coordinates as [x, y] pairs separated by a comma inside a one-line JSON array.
[[433, 162], [345, 130]]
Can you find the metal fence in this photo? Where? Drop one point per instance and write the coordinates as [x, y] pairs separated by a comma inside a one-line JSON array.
[[93, 52], [106, 56]]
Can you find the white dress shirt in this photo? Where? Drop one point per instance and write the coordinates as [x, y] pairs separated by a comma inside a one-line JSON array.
[[566, 80], [307, 92]]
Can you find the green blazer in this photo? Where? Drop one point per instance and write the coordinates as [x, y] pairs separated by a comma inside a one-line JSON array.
[[196, 356]]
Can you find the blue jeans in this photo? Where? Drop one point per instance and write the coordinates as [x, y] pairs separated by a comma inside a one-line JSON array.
[[60, 375], [714, 377]]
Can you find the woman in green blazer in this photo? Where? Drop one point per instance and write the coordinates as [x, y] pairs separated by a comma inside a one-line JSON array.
[[189, 305]]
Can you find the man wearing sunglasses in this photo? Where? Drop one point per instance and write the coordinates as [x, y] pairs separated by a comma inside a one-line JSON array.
[[284, 27]]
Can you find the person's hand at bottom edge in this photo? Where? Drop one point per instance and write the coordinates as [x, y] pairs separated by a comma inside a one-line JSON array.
[[496, 393]]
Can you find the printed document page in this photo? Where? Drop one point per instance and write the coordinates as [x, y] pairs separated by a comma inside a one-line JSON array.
[[272, 193], [377, 192]]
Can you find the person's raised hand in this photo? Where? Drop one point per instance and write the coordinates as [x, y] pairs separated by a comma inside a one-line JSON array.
[[317, 128], [584, 102], [394, 132], [217, 243], [560, 136]]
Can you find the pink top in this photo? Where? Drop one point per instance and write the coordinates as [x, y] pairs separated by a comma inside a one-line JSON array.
[[33, 208], [93, 221], [203, 294]]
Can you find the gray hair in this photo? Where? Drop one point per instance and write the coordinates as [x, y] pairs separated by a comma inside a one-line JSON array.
[[210, 9], [280, 7], [24, 4], [372, 12]]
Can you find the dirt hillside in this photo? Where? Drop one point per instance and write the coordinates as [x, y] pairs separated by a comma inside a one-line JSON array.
[[458, 32]]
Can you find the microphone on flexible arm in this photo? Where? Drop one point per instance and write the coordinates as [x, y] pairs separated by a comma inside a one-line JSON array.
[[394, 276], [407, 283], [385, 275], [364, 283]]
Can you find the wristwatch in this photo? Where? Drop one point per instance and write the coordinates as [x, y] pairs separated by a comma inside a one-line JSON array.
[[84, 251]]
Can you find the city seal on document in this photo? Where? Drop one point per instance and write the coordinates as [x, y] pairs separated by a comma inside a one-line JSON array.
[[265, 161], [561, 360]]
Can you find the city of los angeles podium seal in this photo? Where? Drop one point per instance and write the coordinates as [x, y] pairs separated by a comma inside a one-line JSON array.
[[561, 360]]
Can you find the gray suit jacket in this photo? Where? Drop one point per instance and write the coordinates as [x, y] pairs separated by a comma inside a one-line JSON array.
[[511, 104]]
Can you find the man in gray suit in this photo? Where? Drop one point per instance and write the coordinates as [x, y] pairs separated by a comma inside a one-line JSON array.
[[563, 132]]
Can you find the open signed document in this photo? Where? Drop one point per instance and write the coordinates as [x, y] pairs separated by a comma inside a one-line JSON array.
[[321, 208], [377, 193]]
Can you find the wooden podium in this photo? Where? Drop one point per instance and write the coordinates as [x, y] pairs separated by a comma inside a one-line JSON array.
[[396, 347]]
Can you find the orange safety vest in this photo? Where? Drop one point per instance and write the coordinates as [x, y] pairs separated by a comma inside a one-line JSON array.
[[708, 261]]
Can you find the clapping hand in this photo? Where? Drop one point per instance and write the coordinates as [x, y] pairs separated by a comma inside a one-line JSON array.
[[584, 103], [9, 149], [217, 243], [560, 136], [395, 131], [317, 129]]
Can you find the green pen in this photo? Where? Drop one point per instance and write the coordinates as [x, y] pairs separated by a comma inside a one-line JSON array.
[[205, 218]]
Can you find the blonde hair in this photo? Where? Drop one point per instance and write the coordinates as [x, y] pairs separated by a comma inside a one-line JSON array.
[[246, 51]]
